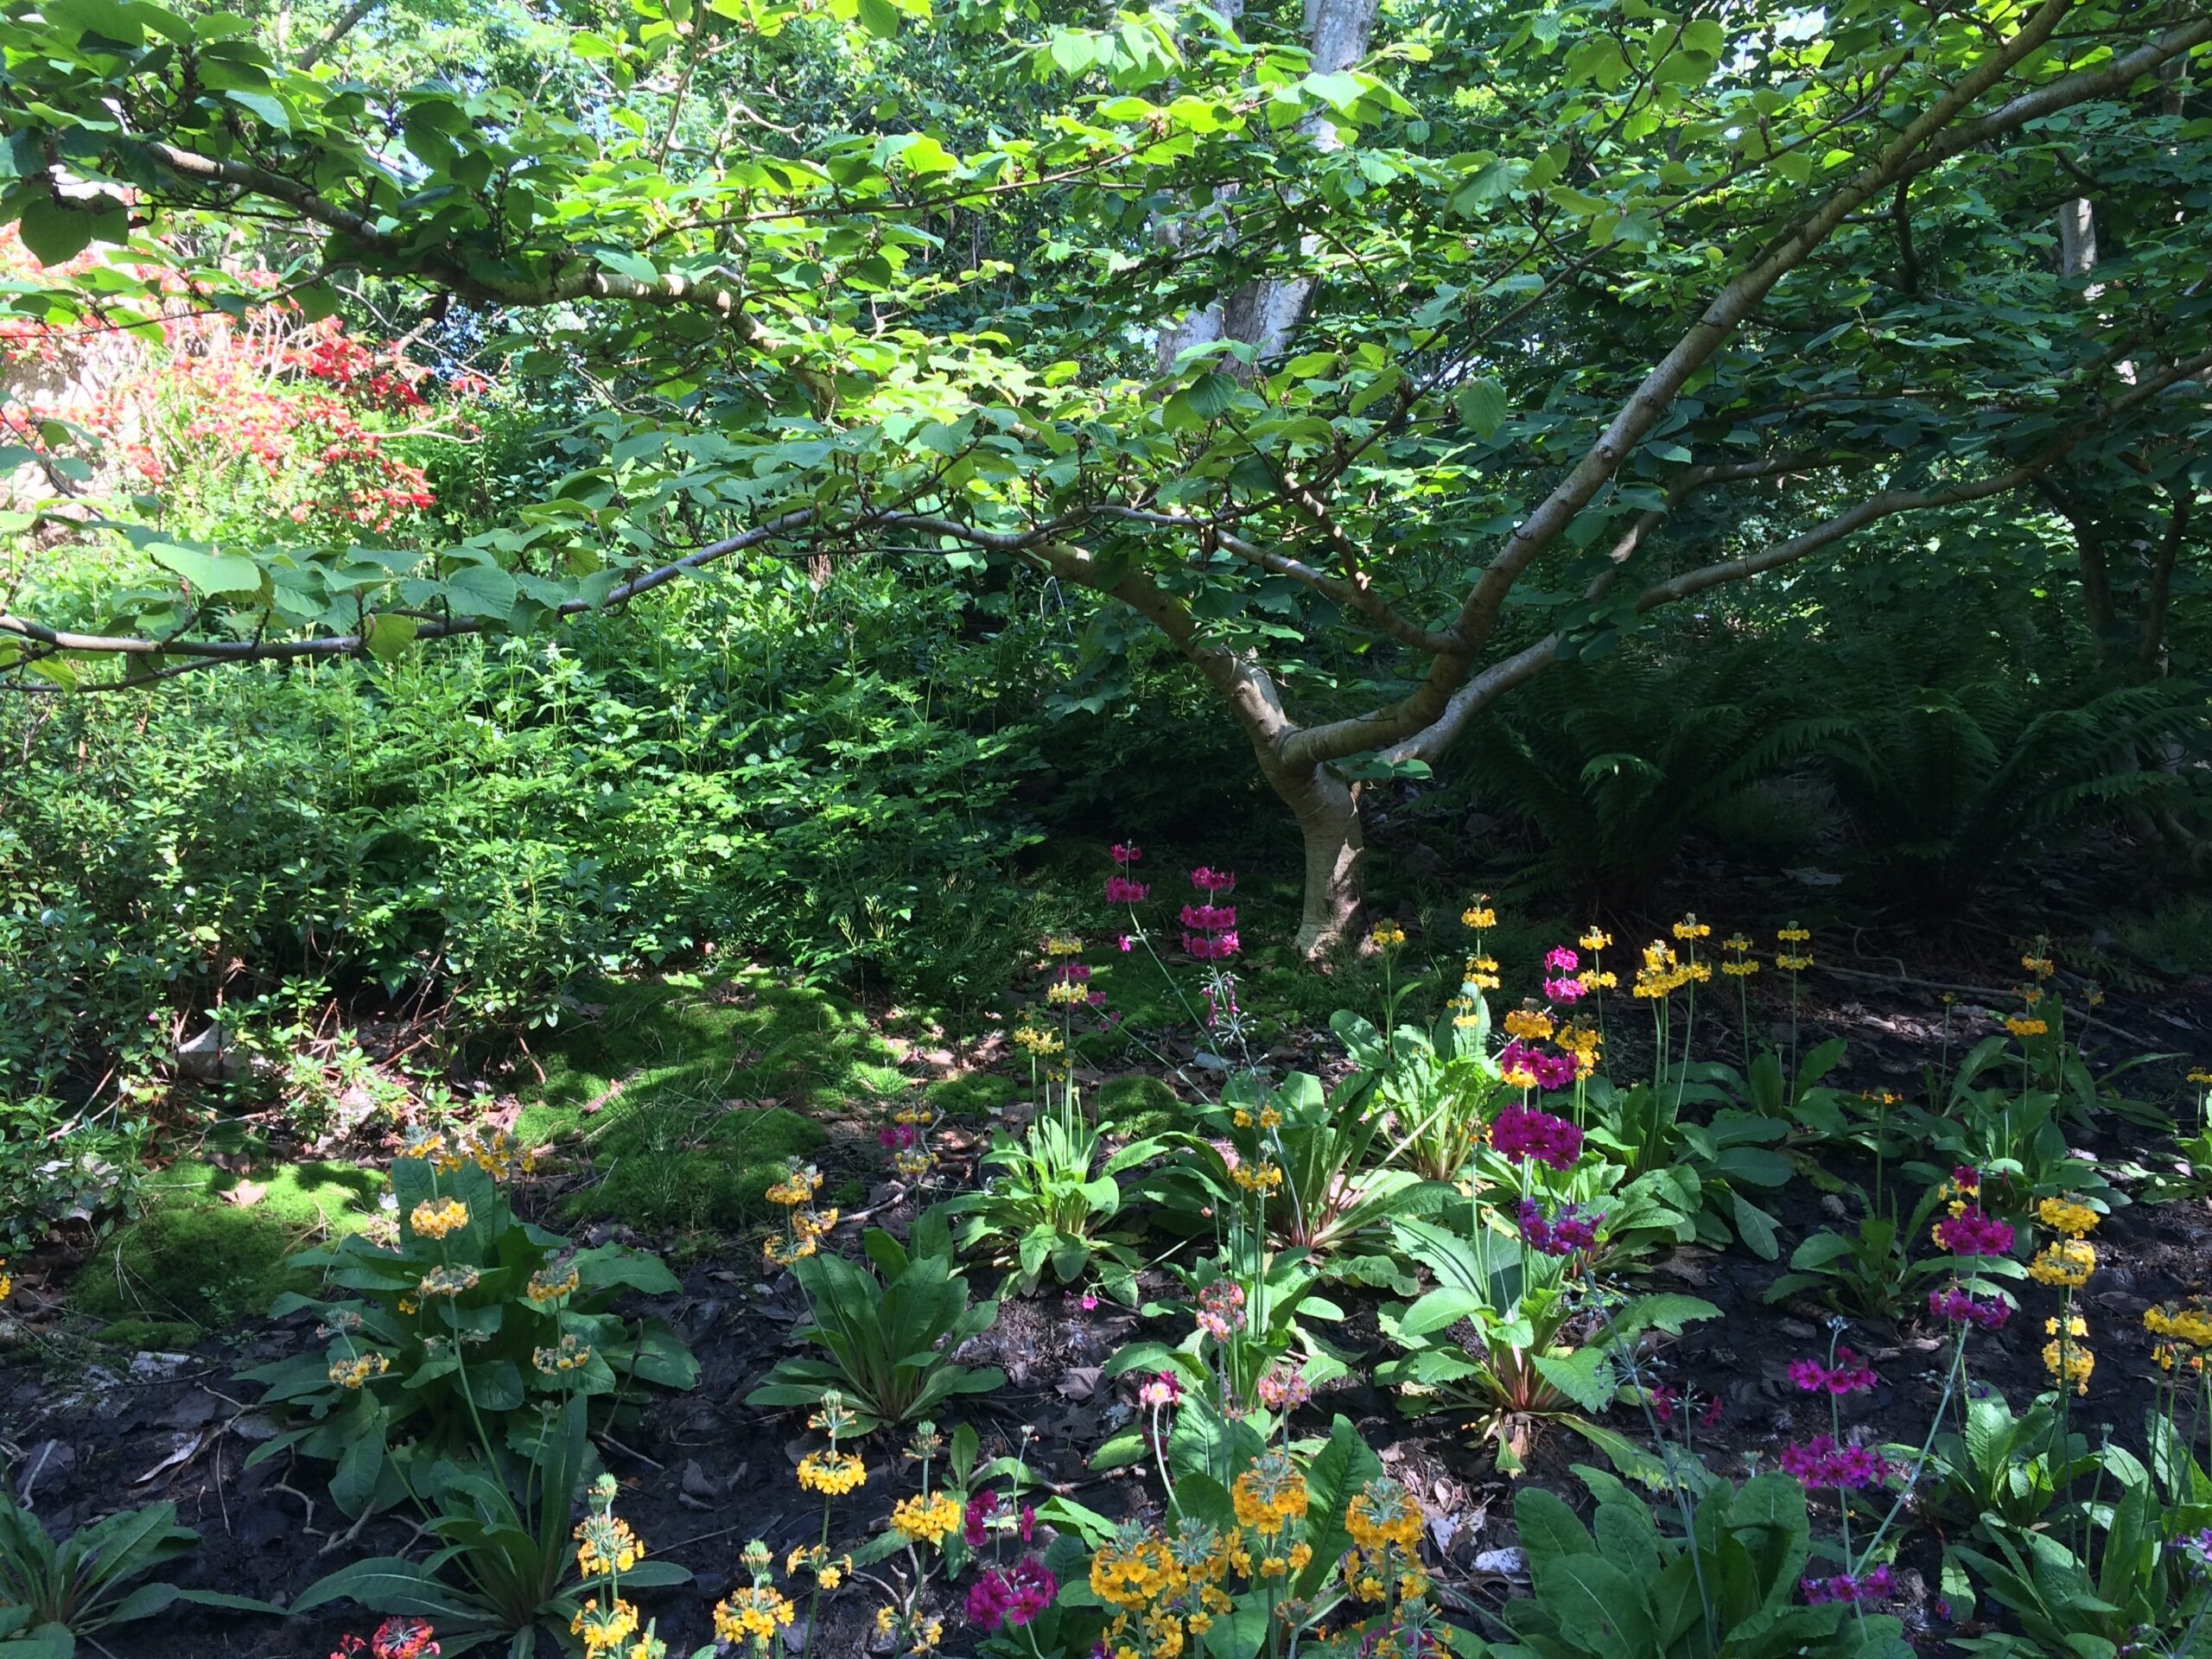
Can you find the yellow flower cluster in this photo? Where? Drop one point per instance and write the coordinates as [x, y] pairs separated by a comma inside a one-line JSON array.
[[2037, 962], [1689, 930], [356, 1372], [1582, 1042], [1662, 974], [605, 1545], [496, 1152], [448, 1281], [569, 1355], [2066, 1263], [1270, 1495], [2187, 1328], [1594, 980], [7, 1280], [1165, 1591], [544, 1286], [1482, 972], [1794, 962], [833, 1473], [2066, 1216], [926, 1519], [2022, 1024], [1529, 1023], [431, 1220], [1385, 1525], [1478, 915], [2066, 1356], [801, 1181], [1740, 963], [1257, 1178], [753, 1615], [1067, 994], [1035, 1040], [2201, 1078], [1464, 1014], [1386, 935], [603, 1629], [1596, 939], [1059, 946], [1268, 1118]]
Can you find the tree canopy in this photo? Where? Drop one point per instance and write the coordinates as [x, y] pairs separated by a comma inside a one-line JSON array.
[[1375, 359]]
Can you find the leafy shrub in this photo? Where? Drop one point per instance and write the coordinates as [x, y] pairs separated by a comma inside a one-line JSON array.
[[51, 1594], [1728, 1588], [462, 1325], [889, 1329]]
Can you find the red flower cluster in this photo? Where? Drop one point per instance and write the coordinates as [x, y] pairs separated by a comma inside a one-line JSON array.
[[396, 1638]]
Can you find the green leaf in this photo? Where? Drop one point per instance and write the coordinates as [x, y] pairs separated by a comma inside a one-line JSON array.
[[390, 634], [481, 590], [1481, 406], [208, 573]]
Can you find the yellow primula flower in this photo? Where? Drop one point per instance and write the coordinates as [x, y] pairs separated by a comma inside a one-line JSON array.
[[926, 1519], [832, 1474], [435, 1220], [2067, 1262], [1478, 914], [2067, 1216]]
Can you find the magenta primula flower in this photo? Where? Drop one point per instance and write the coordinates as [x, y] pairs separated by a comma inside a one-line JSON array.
[[1821, 1462], [1872, 1586], [1210, 919], [1561, 959], [1211, 880], [1961, 1307], [1519, 1133], [1120, 890], [1011, 1595], [1570, 1230], [1975, 1234], [1564, 991], [1125, 853], [1551, 1071], [1849, 1374]]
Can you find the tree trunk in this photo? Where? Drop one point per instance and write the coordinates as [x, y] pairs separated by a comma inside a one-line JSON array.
[[1328, 810]]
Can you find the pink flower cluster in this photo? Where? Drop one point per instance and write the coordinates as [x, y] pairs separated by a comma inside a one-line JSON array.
[[1572, 1231], [1849, 1374], [1666, 1401], [1821, 1462], [1963, 1308], [1011, 1595], [1125, 853], [1871, 1587], [1210, 932], [1163, 1388], [1561, 983], [1221, 1309], [1975, 1234], [1551, 1072], [1518, 1133], [1284, 1388], [987, 1508], [900, 1137], [1120, 890]]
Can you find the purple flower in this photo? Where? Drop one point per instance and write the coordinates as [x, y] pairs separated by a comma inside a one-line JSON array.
[[1873, 1586], [1548, 1070], [1962, 1307], [1850, 1373], [1518, 1133], [1821, 1462], [1975, 1234], [1570, 1231], [1011, 1595]]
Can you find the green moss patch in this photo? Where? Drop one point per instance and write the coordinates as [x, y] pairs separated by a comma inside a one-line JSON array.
[[662, 1168], [200, 1261], [1140, 1104]]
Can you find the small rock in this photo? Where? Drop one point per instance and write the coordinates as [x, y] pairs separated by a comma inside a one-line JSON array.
[[157, 1368], [253, 1427], [1832, 1206], [42, 1461]]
